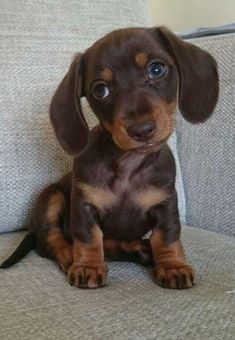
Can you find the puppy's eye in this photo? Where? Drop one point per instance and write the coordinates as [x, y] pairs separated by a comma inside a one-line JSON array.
[[156, 70], [101, 91]]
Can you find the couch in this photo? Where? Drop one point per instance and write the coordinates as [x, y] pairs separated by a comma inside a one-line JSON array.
[[38, 40]]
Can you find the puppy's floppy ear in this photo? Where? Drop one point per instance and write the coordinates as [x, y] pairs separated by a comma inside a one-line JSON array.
[[66, 114], [199, 85]]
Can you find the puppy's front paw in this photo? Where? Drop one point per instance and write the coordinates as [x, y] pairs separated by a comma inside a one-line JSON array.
[[177, 276], [88, 276]]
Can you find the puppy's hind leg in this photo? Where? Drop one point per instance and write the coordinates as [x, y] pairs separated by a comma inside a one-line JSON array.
[[51, 225], [138, 251]]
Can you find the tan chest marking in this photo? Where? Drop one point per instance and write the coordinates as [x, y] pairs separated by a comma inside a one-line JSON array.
[[99, 197], [149, 197]]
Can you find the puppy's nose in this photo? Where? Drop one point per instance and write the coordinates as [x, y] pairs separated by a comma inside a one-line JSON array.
[[142, 131]]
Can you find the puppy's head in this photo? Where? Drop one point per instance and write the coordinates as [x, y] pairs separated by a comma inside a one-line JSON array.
[[134, 79]]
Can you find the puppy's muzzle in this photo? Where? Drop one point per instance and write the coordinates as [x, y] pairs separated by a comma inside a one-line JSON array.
[[142, 132]]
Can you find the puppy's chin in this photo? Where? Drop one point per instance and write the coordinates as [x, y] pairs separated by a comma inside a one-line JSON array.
[[149, 147], [141, 148]]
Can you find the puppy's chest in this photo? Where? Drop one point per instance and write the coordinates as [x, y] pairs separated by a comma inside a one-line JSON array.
[[122, 189]]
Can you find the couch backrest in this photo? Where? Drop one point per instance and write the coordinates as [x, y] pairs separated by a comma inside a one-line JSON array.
[[38, 40]]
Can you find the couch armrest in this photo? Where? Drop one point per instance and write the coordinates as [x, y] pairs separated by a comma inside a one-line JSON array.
[[207, 151]]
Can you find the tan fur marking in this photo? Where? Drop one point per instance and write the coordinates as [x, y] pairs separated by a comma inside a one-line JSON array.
[[141, 58], [56, 240], [147, 198], [89, 269], [165, 118], [163, 254], [171, 269], [99, 197], [90, 254], [164, 115], [107, 74], [120, 135], [54, 207], [60, 248]]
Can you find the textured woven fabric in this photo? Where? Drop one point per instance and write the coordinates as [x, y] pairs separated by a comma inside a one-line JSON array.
[[37, 302], [172, 142], [207, 151], [38, 40]]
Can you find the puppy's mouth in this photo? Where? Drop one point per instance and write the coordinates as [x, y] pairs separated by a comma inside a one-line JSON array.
[[150, 147]]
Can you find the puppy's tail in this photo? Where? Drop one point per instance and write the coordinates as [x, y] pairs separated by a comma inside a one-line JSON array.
[[27, 244]]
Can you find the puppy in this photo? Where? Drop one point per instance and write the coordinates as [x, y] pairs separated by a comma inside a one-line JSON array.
[[123, 180]]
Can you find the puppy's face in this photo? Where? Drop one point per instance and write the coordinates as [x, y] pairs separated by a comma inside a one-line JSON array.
[[131, 83], [133, 80]]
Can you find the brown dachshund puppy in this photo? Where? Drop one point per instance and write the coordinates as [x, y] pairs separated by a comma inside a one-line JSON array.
[[123, 180]]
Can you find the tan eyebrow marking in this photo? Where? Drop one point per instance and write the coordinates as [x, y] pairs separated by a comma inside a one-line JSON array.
[[107, 74], [141, 58]]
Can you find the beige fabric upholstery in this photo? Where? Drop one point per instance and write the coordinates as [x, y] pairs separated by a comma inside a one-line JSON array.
[[207, 151], [38, 303]]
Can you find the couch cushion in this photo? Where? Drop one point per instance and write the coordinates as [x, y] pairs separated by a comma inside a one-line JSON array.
[[37, 302], [38, 41], [207, 151]]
